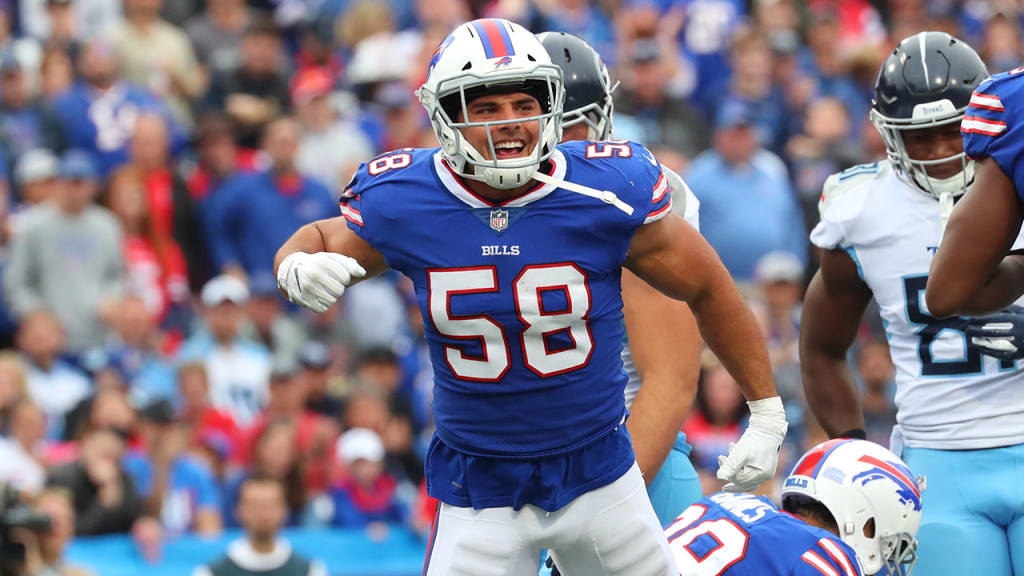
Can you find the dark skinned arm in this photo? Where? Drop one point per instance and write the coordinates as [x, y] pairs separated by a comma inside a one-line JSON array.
[[832, 312], [970, 274]]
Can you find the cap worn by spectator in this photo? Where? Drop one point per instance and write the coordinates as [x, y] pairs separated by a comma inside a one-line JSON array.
[[263, 286], [35, 165], [779, 266], [315, 356], [310, 84], [58, 2], [733, 113], [78, 165], [217, 442], [158, 411], [224, 288], [360, 444]]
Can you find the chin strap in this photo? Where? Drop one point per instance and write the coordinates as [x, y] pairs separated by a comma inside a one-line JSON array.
[[606, 196]]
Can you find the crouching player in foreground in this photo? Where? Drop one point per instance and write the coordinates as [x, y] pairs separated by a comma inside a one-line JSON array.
[[515, 248], [850, 507]]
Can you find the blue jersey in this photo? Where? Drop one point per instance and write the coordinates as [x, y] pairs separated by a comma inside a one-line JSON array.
[[992, 126], [521, 301], [745, 535]]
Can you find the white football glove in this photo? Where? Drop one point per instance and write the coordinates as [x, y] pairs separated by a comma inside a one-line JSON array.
[[316, 281], [753, 459]]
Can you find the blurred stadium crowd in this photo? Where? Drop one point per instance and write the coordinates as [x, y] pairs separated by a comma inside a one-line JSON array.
[[155, 153]]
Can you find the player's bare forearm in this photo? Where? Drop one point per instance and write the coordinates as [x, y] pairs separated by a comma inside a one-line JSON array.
[[1001, 290], [665, 345], [333, 235], [832, 311], [674, 258], [966, 275]]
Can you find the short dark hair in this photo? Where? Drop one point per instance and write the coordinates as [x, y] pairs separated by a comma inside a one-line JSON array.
[[811, 509]]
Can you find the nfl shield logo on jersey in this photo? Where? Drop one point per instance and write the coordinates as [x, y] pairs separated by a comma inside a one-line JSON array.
[[499, 220]]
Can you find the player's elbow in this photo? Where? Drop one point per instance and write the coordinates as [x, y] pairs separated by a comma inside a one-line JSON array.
[[941, 303]]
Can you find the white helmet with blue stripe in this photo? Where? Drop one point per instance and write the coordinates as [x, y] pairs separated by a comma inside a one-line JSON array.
[[491, 56], [872, 495]]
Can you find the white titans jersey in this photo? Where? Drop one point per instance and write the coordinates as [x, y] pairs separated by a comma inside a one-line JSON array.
[[686, 204], [948, 395]]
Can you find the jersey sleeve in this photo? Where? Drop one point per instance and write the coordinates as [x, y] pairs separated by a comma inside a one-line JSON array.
[[650, 194], [685, 202], [828, 233], [992, 126], [827, 558]]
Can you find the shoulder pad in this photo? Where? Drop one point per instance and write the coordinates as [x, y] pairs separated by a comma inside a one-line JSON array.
[[841, 183], [386, 167]]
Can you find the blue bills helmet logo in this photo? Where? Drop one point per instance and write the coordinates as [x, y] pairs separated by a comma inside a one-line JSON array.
[[907, 488], [499, 220]]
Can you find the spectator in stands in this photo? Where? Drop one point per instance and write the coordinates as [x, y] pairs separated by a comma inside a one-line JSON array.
[[716, 421], [282, 334], [176, 487], [13, 387], [404, 125], [752, 83], [217, 33], [262, 509], [108, 409], [21, 463], [366, 495], [196, 412], [747, 205], [661, 121], [103, 494], [274, 456], [876, 371], [24, 123], [218, 158], [158, 55], [365, 407], [44, 552], [253, 214], [315, 434], [68, 258], [172, 212], [330, 149], [315, 360], [52, 383], [56, 75], [256, 92], [36, 177], [238, 369], [780, 278], [98, 114], [155, 267], [135, 348]]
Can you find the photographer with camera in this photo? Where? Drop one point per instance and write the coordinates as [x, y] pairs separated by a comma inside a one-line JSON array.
[[43, 548]]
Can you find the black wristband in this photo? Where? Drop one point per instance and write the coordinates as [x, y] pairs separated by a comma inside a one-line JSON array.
[[857, 433]]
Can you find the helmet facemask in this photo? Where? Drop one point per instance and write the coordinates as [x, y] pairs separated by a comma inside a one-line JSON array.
[[597, 115], [453, 97], [915, 172], [899, 553]]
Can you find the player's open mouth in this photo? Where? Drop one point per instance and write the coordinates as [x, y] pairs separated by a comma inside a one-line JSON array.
[[509, 149]]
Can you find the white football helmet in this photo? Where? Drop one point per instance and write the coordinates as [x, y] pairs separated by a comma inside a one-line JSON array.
[[491, 56], [859, 481]]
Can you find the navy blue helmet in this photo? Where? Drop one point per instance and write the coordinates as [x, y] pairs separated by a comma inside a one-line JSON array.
[[588, 87], [926, 82]]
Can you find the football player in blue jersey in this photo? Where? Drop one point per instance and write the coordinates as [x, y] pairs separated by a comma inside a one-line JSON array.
[[515, 247], [663, 345], [849, 507]]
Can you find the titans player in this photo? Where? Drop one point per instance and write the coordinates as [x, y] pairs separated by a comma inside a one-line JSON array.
[[850, 507], [960, 414], [515, 248], [663, 345]]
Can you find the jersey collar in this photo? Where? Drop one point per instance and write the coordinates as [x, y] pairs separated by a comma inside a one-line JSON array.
[[459, 190]]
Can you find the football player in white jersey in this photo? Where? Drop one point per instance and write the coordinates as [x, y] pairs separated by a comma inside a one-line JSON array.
[[960, 414]]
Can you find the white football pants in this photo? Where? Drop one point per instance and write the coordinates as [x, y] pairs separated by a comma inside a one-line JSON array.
[[608, 531]]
